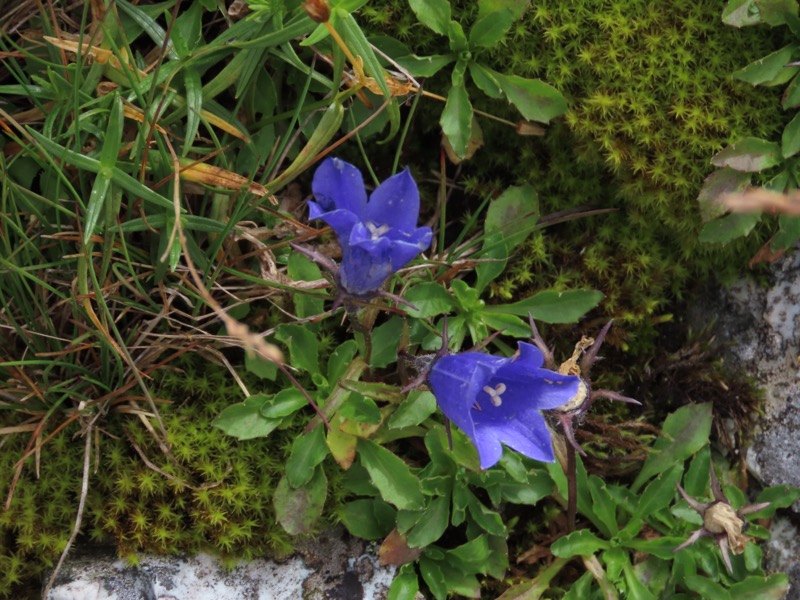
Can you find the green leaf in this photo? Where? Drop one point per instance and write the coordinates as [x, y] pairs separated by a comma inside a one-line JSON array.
[[488, 30], [729, 227], [661, 547], [707, 588], [720, 182], [513, 214], [417, 407], [779, 12], [551, 306], [301, 268], [384, 342], [788, 232], [578, 543], [770, 70], [534, 99], [370, 518], [741, 13], [340, 360], [308, 451], [297, 510], [779, 496], [510, 324], [283, 404], [260, 367], [659, 493], [603, 505], [432, 524], [790, 140], [686, 432], [456, 119], [517, 7], [486, 519], [749, 155], [471, 556], [302, 344], [87, 163], [405, 585], [394, 480], [430, 298], [434, 14], [245, 421], [485, 81], [773, 587], [791, 95], [433, 576], [360, 46], [698, 478], [362, 409]]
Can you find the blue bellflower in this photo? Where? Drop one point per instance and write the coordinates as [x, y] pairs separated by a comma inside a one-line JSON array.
[[377, 237], [497, 400]]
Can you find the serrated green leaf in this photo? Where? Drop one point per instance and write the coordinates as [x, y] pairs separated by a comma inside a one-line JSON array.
[[686, 432], [308, 451], [659, 493], [773, 587], [578, 543], [430, 299], [416, 408], [394, 480], [245, 421]]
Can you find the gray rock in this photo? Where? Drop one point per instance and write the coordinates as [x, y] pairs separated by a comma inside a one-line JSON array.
[[332, 567], [758, 329]]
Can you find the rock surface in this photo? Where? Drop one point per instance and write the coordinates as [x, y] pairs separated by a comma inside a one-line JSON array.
[[330, 567], [758, 329]]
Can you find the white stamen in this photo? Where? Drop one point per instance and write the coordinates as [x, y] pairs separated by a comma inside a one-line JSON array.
[[375, 231], [494, 393]]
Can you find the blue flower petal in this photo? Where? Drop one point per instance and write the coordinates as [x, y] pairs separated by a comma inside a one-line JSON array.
[[404, 251], [528, 436], [341, 221], [395, 202], [339, 185], [377, 237], [496, 401], [366, 263]]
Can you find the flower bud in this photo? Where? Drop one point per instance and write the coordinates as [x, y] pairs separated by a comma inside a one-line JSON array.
[[318, 10]]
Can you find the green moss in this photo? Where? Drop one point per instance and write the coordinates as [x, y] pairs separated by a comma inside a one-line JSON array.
[[227, 510], [651, 100]]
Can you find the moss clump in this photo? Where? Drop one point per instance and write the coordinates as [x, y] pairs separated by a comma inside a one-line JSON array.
[[651, 100], [227, 510]]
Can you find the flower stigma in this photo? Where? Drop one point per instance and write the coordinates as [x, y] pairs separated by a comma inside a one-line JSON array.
[[495, 392], [376, 232]]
